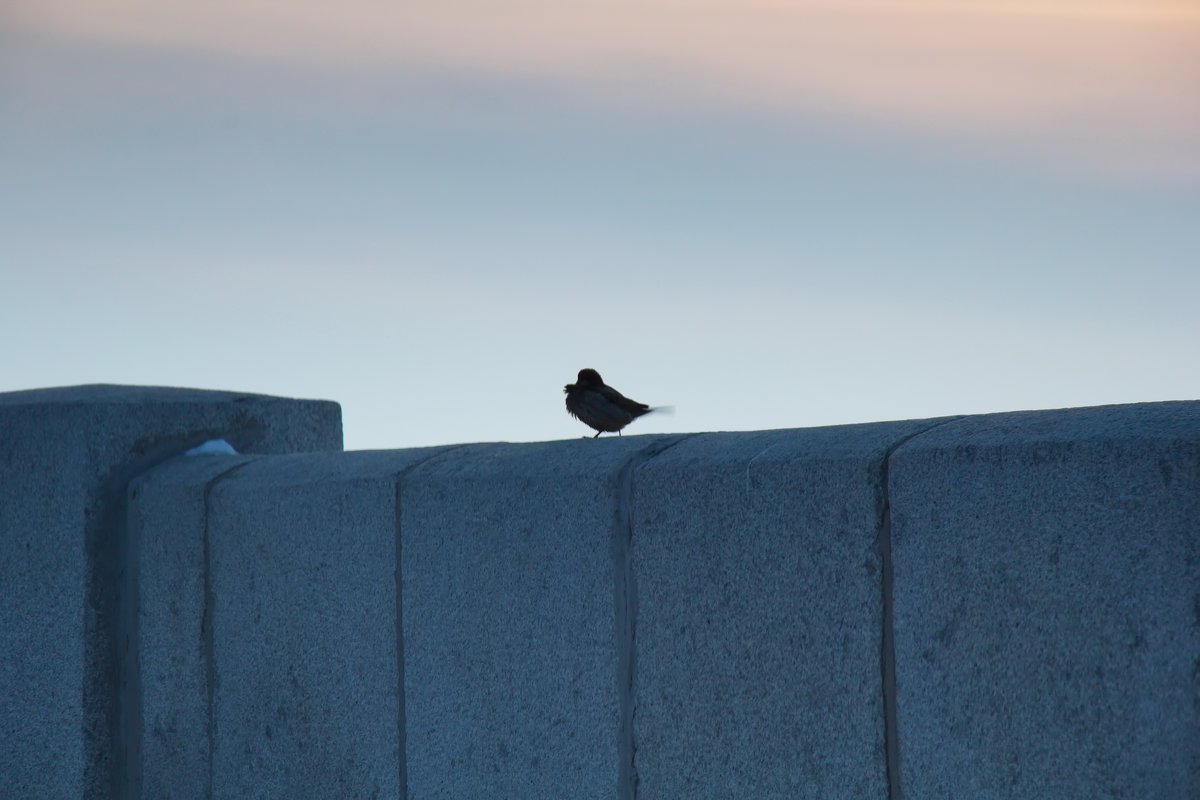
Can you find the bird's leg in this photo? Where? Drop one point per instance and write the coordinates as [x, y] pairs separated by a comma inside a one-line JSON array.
[[597, 436]]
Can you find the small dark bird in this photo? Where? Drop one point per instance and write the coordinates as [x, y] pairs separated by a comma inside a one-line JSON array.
[[600, 406]]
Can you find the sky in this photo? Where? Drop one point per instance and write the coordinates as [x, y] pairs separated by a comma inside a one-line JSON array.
[[766, 213]]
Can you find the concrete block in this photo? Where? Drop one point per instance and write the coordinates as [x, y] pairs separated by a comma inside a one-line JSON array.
[[512, 681], [759, 614], [1047, 605], [167, 528], [66, 456], [307, 666]]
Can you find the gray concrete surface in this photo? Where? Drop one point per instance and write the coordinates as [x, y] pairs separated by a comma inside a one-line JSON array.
[[1047, 605], [66, 456], [512, 671], [1006, 606], [167, 527], [307, 661], [759, 614]]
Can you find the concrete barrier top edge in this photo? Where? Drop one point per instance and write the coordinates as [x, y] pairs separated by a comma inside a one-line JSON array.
[[308, 468], [1172, 421], [1175, 421], [191, 470], [485, 460], [107, 393]]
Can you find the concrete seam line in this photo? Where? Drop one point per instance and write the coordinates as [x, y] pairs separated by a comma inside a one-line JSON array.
[[206, 625], [625, 610], [114, 595], [887, 656], [401, 717]]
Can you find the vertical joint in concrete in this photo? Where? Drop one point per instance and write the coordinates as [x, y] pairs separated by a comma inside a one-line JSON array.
[[401, 710], [112, 691], [107, 621], [401, 720], [127, 709], [887, 656], [625, 606], [206, 626]]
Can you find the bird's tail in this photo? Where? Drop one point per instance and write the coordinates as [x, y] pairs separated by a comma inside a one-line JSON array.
[[662, 409]]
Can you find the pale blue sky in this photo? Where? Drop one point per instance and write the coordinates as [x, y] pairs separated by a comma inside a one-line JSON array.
[[440, 245]]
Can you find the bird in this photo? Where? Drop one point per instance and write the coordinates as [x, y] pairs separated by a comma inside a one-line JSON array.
[[599, 406]]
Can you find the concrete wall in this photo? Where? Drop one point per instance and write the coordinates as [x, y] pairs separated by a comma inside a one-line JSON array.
[[67, 673], [1047, 604], [995, 606]]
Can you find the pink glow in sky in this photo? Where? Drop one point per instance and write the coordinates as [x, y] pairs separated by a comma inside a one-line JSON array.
[[1109, 85]]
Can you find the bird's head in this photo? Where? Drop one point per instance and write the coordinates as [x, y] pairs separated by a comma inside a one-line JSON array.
[[588, 378]]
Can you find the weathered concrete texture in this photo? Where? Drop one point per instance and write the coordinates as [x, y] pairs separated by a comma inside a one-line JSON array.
[[307, 667], [66, 456], [169, 539], [759, 614], [511, 662], [1047, 605]]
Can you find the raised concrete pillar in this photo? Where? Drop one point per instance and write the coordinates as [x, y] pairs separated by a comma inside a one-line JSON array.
[[69, 703]]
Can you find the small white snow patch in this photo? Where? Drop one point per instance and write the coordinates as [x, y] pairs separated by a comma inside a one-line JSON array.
[[212, 447]]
